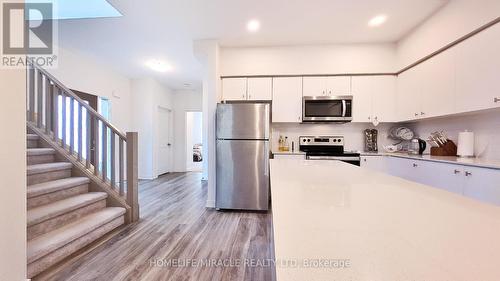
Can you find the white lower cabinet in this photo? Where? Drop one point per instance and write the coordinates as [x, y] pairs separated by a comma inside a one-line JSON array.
[[482, 184], [374, 162]]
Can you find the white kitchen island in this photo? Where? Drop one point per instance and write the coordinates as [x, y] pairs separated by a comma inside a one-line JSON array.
[[381, 228]]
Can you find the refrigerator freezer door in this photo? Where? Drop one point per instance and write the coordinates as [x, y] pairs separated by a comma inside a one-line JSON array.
[[242, 175], [243, 121]]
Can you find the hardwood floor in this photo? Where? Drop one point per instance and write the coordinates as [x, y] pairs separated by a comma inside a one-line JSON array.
[[176, 227]]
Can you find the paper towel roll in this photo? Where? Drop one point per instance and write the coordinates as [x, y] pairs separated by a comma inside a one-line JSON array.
[[465, 144]]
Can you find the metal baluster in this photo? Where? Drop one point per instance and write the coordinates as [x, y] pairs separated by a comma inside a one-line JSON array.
[[80, 133], [112, 149], [104, 151], [39, 101], [96, 147], [55, 117], [71, 125], [63, 119], [121, 162], [31, 111], [88, 140]]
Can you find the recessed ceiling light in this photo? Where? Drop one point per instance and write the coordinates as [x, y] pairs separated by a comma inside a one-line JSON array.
[[377, 21], [253, 25], [159, 66]]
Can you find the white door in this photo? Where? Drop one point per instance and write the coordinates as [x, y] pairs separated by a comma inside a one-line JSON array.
[[287, 100], [383, 98], [260, 89], [234, 88], [338, 85], [478, 68], [315, 86], [408, 95], [164, 140], [438, 86]]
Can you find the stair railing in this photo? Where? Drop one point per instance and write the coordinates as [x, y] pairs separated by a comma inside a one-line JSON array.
[[68, 120]]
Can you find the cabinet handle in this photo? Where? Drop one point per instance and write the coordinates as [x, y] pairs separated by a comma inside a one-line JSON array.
[[496, 100], [324, 92], [416, 114], [249, 96], [415, 165], [243, 96], [456, 172], [422, 113], [468, 174], [369, 118], [330, 92]]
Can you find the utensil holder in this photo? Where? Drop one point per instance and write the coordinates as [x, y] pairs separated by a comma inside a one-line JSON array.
[[447, 149]]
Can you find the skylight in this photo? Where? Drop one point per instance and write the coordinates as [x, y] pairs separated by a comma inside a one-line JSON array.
[[78, 9]]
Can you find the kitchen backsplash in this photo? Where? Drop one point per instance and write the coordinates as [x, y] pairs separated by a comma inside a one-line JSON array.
[[352, 132], [485, 125]]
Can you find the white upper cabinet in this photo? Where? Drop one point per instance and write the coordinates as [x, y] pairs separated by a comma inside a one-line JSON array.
[[287, 100], [260, 89], [234, 89], [327, 86], [478, 71], [374, 98], [438, 85]]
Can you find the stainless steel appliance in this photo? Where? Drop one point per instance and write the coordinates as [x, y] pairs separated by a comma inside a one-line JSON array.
[[371, 139], [328, 148], [243, 131], [327, 109], [417, 147]]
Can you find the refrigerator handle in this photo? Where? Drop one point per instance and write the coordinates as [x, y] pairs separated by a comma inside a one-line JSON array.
[[266, 159]]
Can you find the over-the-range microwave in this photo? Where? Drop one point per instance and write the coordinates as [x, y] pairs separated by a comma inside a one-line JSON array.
[[327, 109]]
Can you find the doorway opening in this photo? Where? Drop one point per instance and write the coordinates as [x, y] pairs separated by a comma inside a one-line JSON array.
[[164, 140], [194, 147]]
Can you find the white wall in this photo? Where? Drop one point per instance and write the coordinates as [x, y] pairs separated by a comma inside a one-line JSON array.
[[148, 95], [485, 125], [320, 59], [85, 74], [454, 20], [13, 175], [184, 101]]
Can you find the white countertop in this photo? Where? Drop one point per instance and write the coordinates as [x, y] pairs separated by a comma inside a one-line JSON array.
[[389, 229], [473, 161]]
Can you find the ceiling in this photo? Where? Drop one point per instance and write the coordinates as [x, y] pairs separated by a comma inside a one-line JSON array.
[[166, 29]]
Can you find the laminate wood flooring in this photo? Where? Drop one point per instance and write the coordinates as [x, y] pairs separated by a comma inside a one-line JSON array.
[[177, 238]]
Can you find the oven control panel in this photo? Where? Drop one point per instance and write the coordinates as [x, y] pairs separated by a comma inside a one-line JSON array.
[[323, 141]]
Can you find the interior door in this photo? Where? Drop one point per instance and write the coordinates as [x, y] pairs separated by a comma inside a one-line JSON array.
[[164, 141]]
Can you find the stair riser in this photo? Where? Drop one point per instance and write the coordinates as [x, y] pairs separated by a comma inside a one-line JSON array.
[[41, 159], [32, 143], [64, 219], [57, 195], [49, 176], [58, 255]]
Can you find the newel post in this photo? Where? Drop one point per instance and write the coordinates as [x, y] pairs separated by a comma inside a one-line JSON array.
[[132, 175]]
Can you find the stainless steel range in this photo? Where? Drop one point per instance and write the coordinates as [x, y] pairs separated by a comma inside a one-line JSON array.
[[327, 148]]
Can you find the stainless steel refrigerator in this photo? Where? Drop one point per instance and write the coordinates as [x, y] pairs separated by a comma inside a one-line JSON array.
[[243, 156]]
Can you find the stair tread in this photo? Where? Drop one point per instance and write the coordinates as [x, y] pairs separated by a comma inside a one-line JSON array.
[[32, 137], [40, 151], [45, 212], [60, 237], [48, 167], [55, 185]]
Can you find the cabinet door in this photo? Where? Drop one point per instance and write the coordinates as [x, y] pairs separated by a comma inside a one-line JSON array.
[[260, 89], [400, 167], [234, 88], [384, 98], [408, 95], [338, 85], [315, 86], [374, 163], [482, 184], [362, 92], [442, 175], [478, 68], [438, 85], [287, 99]]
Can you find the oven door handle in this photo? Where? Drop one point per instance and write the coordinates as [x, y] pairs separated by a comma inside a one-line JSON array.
[[344, 108], [339, 158]]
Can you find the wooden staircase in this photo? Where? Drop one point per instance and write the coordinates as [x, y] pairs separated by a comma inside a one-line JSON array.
[[76, 193]]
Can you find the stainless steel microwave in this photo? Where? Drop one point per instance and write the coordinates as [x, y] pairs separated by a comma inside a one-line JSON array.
[[327, 109]]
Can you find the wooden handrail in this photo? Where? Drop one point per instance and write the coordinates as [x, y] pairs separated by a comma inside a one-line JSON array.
[[44, 91]]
